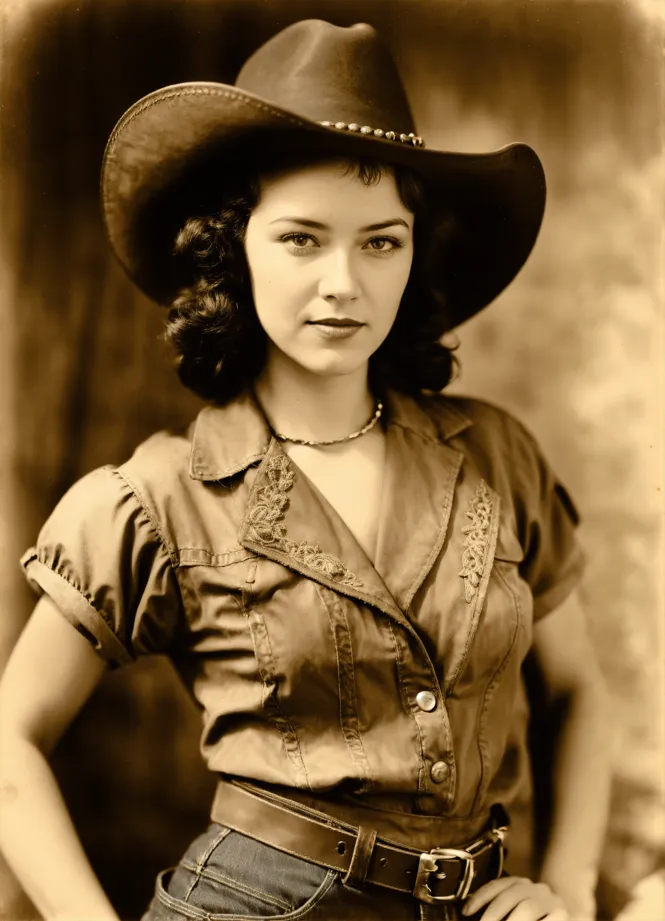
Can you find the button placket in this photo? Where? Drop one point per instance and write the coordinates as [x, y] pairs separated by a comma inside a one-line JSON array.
[[433, 725], [440, 770]]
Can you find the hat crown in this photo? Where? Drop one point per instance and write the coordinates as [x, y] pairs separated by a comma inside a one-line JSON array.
[[330, 73]]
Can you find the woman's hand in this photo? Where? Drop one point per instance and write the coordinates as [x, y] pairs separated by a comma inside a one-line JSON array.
[[518, 899]]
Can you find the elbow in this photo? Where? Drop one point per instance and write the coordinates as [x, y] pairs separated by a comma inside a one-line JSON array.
[[18, 746], [589, 703]]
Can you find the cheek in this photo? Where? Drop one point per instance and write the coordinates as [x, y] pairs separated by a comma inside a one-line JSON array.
[[281, 293], [389, 287], [271, 285]]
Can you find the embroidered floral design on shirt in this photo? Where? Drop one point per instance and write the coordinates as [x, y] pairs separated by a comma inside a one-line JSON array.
[[475, 544], [266, 528]]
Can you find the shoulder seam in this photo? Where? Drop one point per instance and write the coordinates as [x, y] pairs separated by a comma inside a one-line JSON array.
[[163, 540], [154, 523]]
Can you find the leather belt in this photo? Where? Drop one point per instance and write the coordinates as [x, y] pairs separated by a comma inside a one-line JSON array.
[[439, 875]]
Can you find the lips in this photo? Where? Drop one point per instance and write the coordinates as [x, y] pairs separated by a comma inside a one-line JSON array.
[[335, 321], [336, 329]]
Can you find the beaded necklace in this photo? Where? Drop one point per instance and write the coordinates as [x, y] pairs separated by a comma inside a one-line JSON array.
[[369, 425]]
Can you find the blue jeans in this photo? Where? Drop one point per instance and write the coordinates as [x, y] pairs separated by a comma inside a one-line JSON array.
[[226, 875]]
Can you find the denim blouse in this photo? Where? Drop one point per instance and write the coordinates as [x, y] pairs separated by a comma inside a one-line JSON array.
[[398, 681]]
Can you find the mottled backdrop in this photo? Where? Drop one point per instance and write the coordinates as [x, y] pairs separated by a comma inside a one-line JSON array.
[[574, 347]]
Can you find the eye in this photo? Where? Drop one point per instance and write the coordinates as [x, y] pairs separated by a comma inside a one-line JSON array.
[[298, 242], [383, 245]]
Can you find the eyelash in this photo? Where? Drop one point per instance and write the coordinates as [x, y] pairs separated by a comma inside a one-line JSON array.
[[303, 250]]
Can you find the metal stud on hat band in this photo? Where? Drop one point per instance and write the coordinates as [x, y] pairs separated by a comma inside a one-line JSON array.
[[401, 138]]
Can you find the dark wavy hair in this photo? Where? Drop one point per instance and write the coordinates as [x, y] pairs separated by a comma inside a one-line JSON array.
[[221, 346]]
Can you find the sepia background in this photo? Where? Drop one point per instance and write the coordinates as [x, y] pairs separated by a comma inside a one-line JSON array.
[[574, 347]]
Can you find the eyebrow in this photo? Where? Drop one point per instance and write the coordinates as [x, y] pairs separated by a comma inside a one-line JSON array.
[[316, 225]]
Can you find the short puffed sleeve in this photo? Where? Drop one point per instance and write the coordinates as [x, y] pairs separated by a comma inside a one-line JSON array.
[[102, 560], [547, 520]]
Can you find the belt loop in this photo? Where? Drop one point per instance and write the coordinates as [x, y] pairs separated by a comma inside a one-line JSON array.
[[500, 818], [362, 854]]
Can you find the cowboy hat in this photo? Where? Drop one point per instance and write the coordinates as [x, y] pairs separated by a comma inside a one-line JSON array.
[[319, 86]]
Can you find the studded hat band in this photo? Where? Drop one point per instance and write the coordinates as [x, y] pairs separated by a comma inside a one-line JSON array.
[[377, 132]]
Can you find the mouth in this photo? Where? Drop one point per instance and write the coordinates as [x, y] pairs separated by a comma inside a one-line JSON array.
[[336, 329], [342, 322]]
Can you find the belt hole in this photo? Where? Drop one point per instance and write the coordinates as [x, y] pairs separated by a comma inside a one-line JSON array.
[[383, 861], [341, 847]]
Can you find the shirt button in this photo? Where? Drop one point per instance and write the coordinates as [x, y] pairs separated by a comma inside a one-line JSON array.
[[439, 771], [426, 700]]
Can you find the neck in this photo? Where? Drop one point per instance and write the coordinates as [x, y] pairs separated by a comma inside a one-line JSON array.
[[315, 407]]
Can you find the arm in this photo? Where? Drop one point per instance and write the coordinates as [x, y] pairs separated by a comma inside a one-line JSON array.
[[53, 670], [582, 770]]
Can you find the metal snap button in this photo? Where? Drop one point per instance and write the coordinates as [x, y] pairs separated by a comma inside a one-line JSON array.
[[439, 771], [426, 700]]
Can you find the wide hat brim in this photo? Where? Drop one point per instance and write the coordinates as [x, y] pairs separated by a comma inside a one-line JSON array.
[[174, 148]]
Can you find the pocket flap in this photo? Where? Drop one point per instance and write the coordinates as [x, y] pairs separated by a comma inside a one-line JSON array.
[[508, 547]]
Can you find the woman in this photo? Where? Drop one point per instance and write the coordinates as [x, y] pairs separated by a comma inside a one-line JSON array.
[[347, 568]]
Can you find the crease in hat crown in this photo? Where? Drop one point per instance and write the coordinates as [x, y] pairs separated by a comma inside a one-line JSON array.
[[340, 77]]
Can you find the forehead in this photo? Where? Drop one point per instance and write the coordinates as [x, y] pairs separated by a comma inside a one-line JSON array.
[[333, 187]]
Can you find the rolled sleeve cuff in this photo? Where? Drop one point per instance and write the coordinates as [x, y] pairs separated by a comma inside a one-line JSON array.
[[75, 607]]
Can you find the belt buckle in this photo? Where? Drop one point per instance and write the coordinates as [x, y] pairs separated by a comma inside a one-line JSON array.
[[428, 864]]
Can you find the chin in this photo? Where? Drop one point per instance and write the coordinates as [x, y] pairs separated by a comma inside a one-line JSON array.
[[335, 366]]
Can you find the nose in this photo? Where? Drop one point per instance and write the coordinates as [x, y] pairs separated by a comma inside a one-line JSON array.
[[339, 280]]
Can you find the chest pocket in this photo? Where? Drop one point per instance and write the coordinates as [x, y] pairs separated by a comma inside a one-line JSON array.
[[508, 547], [480, 592], [496, 633], [212, 587], [508, 559]]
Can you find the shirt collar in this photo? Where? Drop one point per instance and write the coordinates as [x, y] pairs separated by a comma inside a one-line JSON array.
[[228, 439]]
